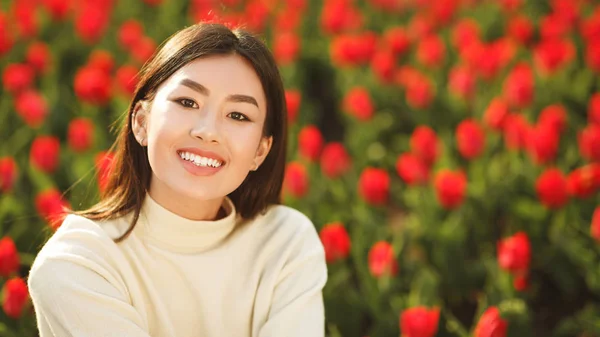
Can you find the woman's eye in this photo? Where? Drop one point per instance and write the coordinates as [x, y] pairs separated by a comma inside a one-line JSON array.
[[188, 103], [239, 116]]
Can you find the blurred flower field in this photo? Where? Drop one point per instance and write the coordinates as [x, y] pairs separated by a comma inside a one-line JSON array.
[[448, 152]]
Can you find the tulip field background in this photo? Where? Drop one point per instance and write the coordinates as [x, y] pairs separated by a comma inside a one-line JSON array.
[[448, 152]]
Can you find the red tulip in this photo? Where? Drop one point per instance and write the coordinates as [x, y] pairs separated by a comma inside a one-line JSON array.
[[310, 142], [461, 82], [93, 85], [514, 253], [595, 226], [419, 322], [286, 47], [465, 32], [104, 164], [397, 40], [52, 207], [338, 16], [130, 33], [38, 56], [519, 86], [551, 188], [516, 131], [357, 103], [470, 139], [450, 188], [520, 29], [296, 180], [335, 161], [374, 186], [553, 26], [92, 20], [25, 18], [425, 144], [353, 50], [6, 35], [554, 116], [419, 92], [420, 26], [8, 173], [584, 181], [9, 257], [592, 56], [589, 142], [336, 241], [382, 261], [431, 51], [293, 98], [31, 107], [491, 324], [383, 64], [80, 134], [257, 16], [496, 113], [551, 55], [143, 50], [594, 109], [17, 77], [44, 155], [412, 169], [103, 60], [542, 143], [126, 78], [58, 9], [15, 297]]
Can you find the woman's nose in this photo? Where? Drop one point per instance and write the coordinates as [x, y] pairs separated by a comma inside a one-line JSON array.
[[206, 128]]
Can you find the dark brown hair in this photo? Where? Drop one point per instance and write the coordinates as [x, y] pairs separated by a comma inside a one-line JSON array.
[[131, 172]]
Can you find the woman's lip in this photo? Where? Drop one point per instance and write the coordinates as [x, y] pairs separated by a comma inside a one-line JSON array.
[[199, 170], [202, 153]]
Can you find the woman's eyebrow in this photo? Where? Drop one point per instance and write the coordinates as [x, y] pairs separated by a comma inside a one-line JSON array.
[[237, 98]]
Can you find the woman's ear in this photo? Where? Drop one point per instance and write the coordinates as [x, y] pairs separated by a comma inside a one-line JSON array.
[[139, 121], [262, 151]]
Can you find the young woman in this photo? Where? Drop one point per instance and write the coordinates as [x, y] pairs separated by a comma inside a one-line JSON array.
[[189, 238]]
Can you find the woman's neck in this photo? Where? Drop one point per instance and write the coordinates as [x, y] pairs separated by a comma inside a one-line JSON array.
[[189, 208]]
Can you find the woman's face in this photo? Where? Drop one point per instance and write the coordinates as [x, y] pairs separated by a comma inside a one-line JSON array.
[[204, 129]]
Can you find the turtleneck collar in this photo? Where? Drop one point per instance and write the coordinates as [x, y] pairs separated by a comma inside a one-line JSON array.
[[175, 233]]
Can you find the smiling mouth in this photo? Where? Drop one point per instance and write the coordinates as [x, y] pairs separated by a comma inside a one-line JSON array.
[[199, 160]]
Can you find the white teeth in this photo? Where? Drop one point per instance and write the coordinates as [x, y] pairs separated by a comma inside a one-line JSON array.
[[199, 160]]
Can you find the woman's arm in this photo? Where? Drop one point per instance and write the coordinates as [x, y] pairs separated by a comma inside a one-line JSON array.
[[297, 307], [73, 300]]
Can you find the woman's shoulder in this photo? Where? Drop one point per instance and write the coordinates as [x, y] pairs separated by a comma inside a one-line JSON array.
[[77, 239]]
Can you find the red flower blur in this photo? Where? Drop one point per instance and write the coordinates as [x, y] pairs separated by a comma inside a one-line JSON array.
[[450, 188], [335, 161], [9, 257], [93, 85], [8, 174], [519, 86], [431, 51], [44, 155], [461, 81], [470, 139], [310, 142], [52, 207], [589, 142], [130, 33], [514, 253], [382, 261], [551, 188], [31, 107], [296, 180], [595, 225], [126, 77], [412, 169], [286, 47], [17, 77], [336, 241], [293, 98], [357, 103], [38, 56], [584, 181], [425, 144], [496, 113], [543, 141], [353, 49], [491, 324], [374, 186], [594, 109], [104, 164], [419, 322], [80, 134], [15, 297]]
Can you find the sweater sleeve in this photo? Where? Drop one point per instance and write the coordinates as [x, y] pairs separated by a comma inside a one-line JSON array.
[[297, 308], [75, 292]]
